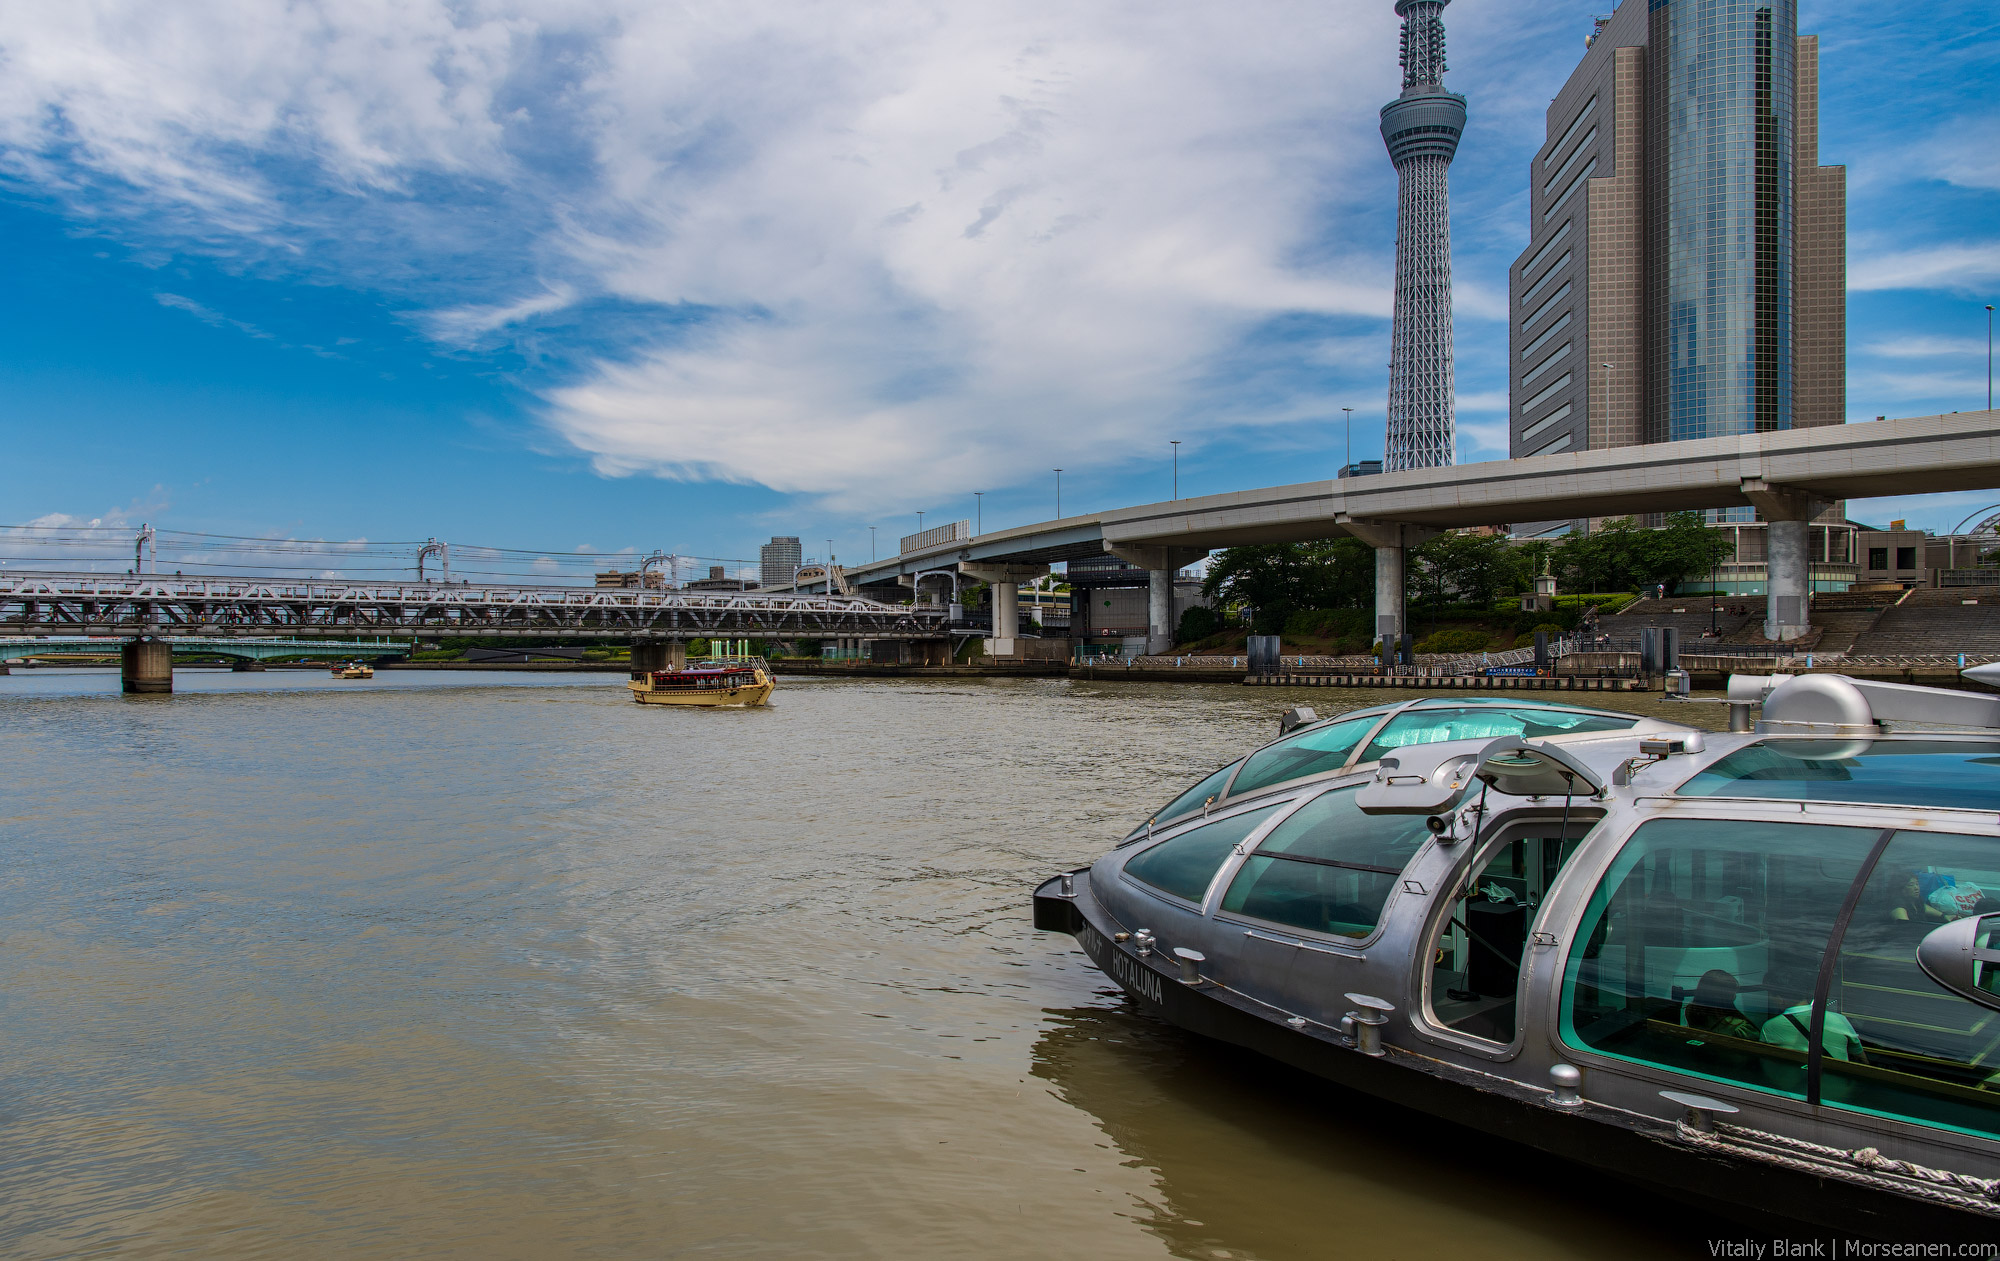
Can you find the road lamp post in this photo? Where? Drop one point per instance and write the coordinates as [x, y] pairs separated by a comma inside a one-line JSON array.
[[1176, 443], [978, 512], [1607, 392], [1989, 356], [1350, 439], [1058, 494], [871, 544]]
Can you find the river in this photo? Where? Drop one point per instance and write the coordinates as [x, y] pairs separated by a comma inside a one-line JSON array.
[[508, 966]]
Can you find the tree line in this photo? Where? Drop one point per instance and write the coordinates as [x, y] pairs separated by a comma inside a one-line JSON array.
[[1277, 580]]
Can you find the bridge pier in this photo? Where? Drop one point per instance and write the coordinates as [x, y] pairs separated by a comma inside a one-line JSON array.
[[1004, 581], [146, 667], [1161, 564], [658, 654], [1788, 559], [1392, 541]]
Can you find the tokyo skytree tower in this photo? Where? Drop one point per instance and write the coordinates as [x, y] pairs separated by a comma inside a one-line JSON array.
[[1421, 128]]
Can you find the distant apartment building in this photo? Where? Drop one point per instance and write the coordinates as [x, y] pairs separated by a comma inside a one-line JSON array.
[[1685, 275], [719, 580], [778, 560]]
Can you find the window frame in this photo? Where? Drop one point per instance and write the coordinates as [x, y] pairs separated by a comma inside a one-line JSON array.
[[1280, 810], [1902, 737], [1597, 857], [1337, 942]]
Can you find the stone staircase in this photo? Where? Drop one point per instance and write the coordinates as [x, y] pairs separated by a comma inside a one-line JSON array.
[[1934, 623], [1690, 616]]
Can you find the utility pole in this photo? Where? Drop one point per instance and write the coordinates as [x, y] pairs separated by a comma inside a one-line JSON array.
[[1177, 466], [1058, 494]]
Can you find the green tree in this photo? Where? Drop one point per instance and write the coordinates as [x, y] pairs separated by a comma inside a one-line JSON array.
[[1278, 579], [1622, 555], [1473, 568], [1197, 622]]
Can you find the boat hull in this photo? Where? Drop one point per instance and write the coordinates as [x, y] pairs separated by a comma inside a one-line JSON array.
[[1634, 1148], [708, 698]]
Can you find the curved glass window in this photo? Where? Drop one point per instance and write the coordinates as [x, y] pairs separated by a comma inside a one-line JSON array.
[[1328, 868], [1949, 773], [1473, 722], [1324, 748], [1193, 799], [1183, 865], [1924, 1053], [1701, 949]]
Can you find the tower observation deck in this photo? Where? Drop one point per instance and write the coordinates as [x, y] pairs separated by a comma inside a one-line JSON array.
[[1421, 128]]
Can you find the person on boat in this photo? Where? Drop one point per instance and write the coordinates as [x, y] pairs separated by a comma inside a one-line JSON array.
[[1912, 904], [1712, 1008], [1792, 1029]]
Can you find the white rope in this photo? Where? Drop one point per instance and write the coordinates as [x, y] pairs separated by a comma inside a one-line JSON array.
[[1863, 1165]]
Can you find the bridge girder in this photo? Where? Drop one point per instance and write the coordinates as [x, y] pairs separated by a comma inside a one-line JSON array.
[[219, 608]]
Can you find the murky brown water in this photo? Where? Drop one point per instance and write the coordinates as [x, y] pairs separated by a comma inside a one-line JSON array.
[[511, 967]]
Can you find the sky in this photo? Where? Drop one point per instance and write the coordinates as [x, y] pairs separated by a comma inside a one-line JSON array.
[[619, 277]]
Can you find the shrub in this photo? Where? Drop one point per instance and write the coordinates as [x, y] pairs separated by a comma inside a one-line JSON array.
[[1197, 622], [1449, 641], [1328, 623]]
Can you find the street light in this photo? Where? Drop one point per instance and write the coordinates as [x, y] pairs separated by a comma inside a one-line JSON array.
[[1350, 439], [978, 512], [1989, 356], [920, 522], [1607, 391], [1177, 466], [871, 544], [1058, 494]]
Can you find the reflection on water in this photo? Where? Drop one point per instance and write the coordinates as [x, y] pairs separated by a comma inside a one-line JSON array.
[[509, 966]]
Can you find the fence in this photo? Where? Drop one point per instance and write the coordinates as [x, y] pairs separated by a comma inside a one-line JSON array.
[[937, 536]]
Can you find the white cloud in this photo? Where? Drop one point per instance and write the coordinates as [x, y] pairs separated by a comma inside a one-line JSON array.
[[1958, 268], [897, 240], [1926, 347]]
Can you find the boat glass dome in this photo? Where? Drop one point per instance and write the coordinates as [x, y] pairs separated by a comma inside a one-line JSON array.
[[1955, 774]]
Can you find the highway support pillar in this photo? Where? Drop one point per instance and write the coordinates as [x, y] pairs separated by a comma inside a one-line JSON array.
[[146, 667], [1004, 581], [1161, 564], [1788, 558], [1391, 541], [658, 654]]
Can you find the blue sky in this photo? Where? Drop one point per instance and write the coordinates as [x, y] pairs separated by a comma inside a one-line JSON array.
[[631, 276]]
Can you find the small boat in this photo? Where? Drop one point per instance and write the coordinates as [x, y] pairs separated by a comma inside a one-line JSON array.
[[352, 670], [720, 683], [1756, 970]]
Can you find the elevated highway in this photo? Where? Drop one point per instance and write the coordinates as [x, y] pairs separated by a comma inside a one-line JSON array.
[[1789, 476], [150, 611]]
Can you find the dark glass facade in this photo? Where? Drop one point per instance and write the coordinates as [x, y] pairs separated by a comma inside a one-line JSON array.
[[1722, 115]]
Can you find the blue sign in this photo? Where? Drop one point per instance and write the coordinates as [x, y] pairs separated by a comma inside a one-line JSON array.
[[1510, 671]]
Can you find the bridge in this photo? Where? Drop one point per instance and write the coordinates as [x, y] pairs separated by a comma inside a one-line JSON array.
[[149, 612], [1789, 476], [78, 646]]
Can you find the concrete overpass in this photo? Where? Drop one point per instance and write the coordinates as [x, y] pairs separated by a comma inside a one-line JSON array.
[[1789, 476]]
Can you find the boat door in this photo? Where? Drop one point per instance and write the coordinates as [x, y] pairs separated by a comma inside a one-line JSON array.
[[1481, 938]]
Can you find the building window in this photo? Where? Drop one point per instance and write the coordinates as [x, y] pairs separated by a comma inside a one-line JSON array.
[[1906, 558], [1878, 558]]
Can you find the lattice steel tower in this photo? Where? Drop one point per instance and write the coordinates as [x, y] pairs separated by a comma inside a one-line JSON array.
[[1421, 128]]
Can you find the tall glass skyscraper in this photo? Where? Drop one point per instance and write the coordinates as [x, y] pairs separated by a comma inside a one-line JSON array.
[[1686, 270]]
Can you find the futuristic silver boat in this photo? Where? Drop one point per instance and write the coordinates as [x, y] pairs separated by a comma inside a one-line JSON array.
[[1758, 970]]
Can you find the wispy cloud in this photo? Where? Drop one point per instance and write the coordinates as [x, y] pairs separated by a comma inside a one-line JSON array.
[[208, 316], [1922, 346], [1968, 268]]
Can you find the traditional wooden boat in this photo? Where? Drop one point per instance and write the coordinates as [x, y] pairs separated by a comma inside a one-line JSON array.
[[352, 670], [724, 683], [1757, 970]]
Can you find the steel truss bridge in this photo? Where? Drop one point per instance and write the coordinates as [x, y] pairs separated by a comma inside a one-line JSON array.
[[149, 605], [253, 649]]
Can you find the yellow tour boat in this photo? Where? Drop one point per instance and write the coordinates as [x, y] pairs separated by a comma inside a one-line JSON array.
[[722, 683], [352, 670]]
